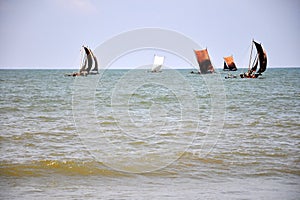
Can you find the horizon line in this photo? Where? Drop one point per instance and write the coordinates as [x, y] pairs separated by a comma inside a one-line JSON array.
[[59, 68]]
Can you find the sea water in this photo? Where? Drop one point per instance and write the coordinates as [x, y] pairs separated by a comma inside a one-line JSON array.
[[130, 134]]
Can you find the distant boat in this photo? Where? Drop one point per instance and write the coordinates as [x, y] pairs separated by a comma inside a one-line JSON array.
[[260, 58], [88, 65], [229, 64], [205, 66], [157, 63], [230, 76]]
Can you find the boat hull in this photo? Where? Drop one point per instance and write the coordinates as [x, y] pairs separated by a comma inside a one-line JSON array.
[[230, 76], [249, 76]]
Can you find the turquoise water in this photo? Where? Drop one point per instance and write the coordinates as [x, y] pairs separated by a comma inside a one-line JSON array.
[[136, 135]]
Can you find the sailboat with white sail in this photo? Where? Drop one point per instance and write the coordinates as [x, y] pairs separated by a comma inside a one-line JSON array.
[[157, 63]]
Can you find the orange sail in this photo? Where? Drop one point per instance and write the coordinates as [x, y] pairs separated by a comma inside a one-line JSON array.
[[230, 63], [204, 62]]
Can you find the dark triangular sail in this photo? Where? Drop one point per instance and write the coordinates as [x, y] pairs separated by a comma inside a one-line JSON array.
[[225, 66], [204, 62], [89, 58], [262, 57]]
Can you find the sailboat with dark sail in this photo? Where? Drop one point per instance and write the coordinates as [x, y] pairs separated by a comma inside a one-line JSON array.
[[229, 64], [205, 66], [89, 64], [259, 59]]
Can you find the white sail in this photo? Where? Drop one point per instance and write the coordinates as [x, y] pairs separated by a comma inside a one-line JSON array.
[[94, 69], [157, 64]]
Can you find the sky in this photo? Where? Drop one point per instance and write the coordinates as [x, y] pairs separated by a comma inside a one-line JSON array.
[[48, 34]]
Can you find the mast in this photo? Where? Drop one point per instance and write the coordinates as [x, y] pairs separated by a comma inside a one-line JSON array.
[[249, 66], [83, 61], [80, 60]]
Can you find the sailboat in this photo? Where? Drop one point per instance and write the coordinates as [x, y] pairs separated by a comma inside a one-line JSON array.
[[260, 58], [89, 64], [229, 64], [157, 63], [205, 66]]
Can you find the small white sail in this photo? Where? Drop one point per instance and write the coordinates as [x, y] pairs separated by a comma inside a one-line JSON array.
[[157, 64]]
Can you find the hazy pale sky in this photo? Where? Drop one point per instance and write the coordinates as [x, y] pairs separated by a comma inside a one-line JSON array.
[[49, 33]]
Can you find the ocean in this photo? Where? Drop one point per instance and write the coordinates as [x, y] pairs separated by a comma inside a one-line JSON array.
[[129, 134]]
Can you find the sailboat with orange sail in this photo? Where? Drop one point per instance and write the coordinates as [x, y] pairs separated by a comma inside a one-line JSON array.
[[205, 65]]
